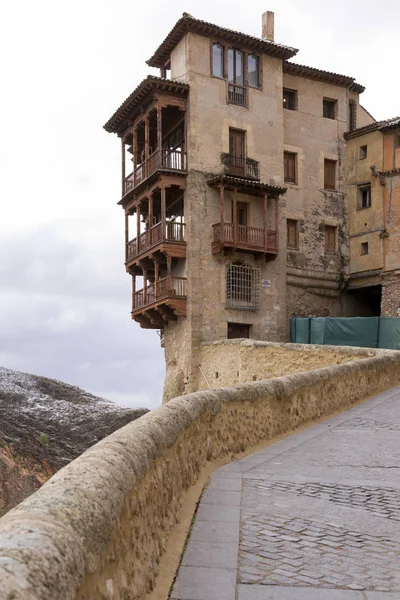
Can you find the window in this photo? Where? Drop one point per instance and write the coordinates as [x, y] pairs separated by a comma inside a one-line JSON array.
[[352, 115], [218, 60], [237, 152], [363, 152], [238, 330], [364, 248], [241, 213], [329, 108], [364, 196], [290, 99], [235, 66], [243, 287], [330, 239], [292, 234], [330, 174], [290, 170], [253, 70]]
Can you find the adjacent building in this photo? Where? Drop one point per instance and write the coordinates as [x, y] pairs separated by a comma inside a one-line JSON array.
[[235, 182]]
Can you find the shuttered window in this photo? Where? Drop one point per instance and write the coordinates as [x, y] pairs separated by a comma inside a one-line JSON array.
[[292, 234], [330, 174], [330, 239], [290, 159]]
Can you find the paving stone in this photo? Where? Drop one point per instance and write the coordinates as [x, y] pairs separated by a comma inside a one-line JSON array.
[[211, 554], [263, 592], [219, 513], [225, 497], [209, 531], [201, 583], [233, 485]]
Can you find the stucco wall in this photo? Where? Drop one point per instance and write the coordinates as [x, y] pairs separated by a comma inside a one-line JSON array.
[[98, 528]]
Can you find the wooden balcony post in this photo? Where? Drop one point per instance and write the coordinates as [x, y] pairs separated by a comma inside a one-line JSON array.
[[144, 286], [222, 195], [156, 277], [146, 138], [123, 166], [163, 210], [169, 273], [159, 134], [126, 234], [265, 222], [135, 150], [276, 224], [137, 223], [235, 221], [133, 291], [150, 217]]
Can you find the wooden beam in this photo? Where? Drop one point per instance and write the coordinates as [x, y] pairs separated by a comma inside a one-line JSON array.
[[146, 138], [276, 223], [163, 209], [144, 286], [150, 215], [135, 150], [123, 167], [138, 223], [222, 196], [169, 273], [265, 222], [159, 129], [156, 277], [133, 291], [126, 235], [235, 221]]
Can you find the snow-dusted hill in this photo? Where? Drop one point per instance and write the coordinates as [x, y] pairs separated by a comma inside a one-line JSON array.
[[44, 424]]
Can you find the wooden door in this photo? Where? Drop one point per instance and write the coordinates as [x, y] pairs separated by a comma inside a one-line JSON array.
[[237, 152]]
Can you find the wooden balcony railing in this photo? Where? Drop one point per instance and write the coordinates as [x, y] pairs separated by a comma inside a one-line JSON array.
[[246, 237], [240, 166], [163, 288], [167, 160], [237, 94], [171, 232]]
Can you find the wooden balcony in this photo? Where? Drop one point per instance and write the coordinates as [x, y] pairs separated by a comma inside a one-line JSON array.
[[250, 239], [167, 237], [237, 94], [169, 161], [160, 302], [240, 166]]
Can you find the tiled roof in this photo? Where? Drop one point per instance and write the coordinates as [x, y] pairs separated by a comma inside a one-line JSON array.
[[132, 105], [320, 75], [246, 184], [378, 126], [188, 23]]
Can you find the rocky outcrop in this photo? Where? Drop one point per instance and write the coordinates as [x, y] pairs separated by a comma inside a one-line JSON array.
[[44, 424]]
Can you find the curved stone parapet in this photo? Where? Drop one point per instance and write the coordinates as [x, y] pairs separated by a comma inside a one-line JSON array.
[[98, 528]]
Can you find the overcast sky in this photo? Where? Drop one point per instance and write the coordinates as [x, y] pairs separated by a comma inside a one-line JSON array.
[[65, 68]]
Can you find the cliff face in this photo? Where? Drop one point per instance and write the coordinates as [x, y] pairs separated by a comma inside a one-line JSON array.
[[44, 424]]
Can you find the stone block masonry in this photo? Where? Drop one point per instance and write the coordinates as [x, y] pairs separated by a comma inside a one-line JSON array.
[[99, 528]]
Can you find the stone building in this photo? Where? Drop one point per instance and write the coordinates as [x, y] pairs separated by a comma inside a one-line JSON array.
[[234, 189], [373, 178]]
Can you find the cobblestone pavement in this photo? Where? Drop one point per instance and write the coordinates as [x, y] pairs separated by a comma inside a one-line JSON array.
[[315, 516]]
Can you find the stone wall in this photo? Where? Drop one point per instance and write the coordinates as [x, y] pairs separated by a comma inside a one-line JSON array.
[[98, 528], [233, 362], [390, 294]]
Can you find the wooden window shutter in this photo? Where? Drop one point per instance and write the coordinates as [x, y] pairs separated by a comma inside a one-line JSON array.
[[330, 174], [292, 234], [290, 167], [330, 238]]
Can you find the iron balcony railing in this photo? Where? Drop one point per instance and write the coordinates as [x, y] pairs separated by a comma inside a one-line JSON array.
[[171, 232], [247, 237], [237, 94], [163, 288], [240, 166], [166, 160]]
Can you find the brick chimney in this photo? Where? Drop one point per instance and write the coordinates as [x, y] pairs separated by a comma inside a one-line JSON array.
[[268, 26]]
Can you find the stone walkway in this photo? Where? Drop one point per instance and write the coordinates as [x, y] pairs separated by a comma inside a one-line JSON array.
[[315, 516]]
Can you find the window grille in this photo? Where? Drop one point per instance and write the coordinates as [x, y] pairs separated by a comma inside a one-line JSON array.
[[243, 287]]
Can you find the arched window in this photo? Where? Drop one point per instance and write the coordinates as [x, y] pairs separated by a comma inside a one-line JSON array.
[[243, 286]]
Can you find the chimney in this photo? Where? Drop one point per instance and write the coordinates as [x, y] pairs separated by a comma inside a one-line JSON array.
[[268, 19]]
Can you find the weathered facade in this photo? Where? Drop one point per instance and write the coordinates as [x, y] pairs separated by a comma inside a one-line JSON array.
[[373, 179], [234, 188]]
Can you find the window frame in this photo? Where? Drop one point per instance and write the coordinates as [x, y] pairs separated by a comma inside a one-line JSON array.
[[332, 229], [363, 152], [294, 222], [217, 44], [285, 177], [290, 91], [332, 103], [259, 85], [364, 250], [360, 188], [243, 294], [330, 161]]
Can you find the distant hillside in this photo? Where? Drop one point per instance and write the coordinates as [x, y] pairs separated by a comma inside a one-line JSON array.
[[44, 424]]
